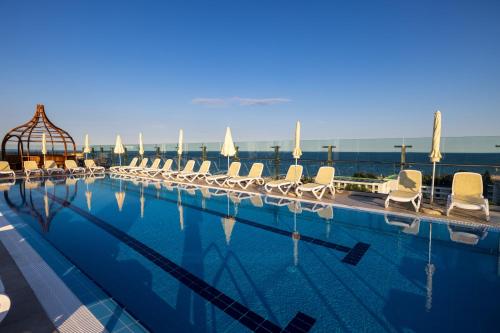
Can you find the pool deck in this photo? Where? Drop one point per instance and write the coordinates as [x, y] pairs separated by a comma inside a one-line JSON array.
[[26, 313], [374, 203]]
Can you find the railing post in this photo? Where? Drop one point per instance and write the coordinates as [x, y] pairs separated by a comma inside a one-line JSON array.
[[276, 161], [236, 156], [496, 190], [203, 152], [329, 160], [125, 155], [158, 154], [403, 154]]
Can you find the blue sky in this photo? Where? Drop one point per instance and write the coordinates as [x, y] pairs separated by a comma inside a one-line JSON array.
[[346, 69]]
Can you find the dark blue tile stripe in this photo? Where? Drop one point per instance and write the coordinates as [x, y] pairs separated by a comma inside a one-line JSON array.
[[233, 308], [301, 323], [278, 231], [355, 255]]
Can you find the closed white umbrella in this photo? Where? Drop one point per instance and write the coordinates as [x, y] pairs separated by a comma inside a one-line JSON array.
[[141, 145], [179, 148], [44, 146], [435, 155], [86, 149], [228, 148], [297, 152], [119, 148]]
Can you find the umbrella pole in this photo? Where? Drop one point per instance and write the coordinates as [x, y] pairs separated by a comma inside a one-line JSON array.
[[432, 185], [120, 159]]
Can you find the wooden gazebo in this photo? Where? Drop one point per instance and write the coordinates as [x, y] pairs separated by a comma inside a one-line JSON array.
[[28, 139]]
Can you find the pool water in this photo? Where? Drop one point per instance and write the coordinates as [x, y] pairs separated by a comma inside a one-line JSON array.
[[201, 260]]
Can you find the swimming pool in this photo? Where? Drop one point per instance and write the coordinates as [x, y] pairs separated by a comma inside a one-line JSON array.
[[200, 260]]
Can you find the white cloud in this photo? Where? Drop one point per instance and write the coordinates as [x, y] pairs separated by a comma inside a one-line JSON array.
[[241, 101], [209, 101], [260, 101]]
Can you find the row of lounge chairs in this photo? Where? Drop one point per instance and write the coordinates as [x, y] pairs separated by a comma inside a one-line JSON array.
[[50, 168], [323, 181]]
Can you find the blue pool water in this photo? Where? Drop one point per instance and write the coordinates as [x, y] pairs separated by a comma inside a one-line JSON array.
[[193, 261]]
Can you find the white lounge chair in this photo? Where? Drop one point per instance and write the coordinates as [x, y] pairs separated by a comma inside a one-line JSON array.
[[467, 193], [140, 171], [139, 168], [121, 168], [73, 168], [31, 167], [188, 168], [292, 178], [233, 171], [409, 189], [93, 168], [6, 170], [322, 182], [203, 171], [51, 167], [254, 176], [150, 172]]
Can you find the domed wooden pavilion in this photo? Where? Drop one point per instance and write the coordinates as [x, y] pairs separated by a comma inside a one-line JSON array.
[[24, 142]]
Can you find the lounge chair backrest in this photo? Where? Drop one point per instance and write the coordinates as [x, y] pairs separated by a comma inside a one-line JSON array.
[[49, 164], [168, 165], [467, 184], [144, 162], [410, 181], [30, 165], [256, 170], [294, 173], [4, 166], [325, 175], [156, 163], [234, 169], [204, 167], [133, 163], [70, 164], [189, 166], [90, 163]]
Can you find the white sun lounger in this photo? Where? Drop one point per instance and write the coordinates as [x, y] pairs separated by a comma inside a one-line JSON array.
[[233, 171], [73, 168], [51, 167], [322, 182], [188, 168], [31, 167], [143, 166], [6, 170], [203, 171], [254, 176], [139, 168], [467, 193], [122, 168], [150, 172], [292, 178], [409, 189], [93, 168]]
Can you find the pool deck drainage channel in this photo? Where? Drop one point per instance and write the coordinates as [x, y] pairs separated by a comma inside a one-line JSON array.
[[248, 318]]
